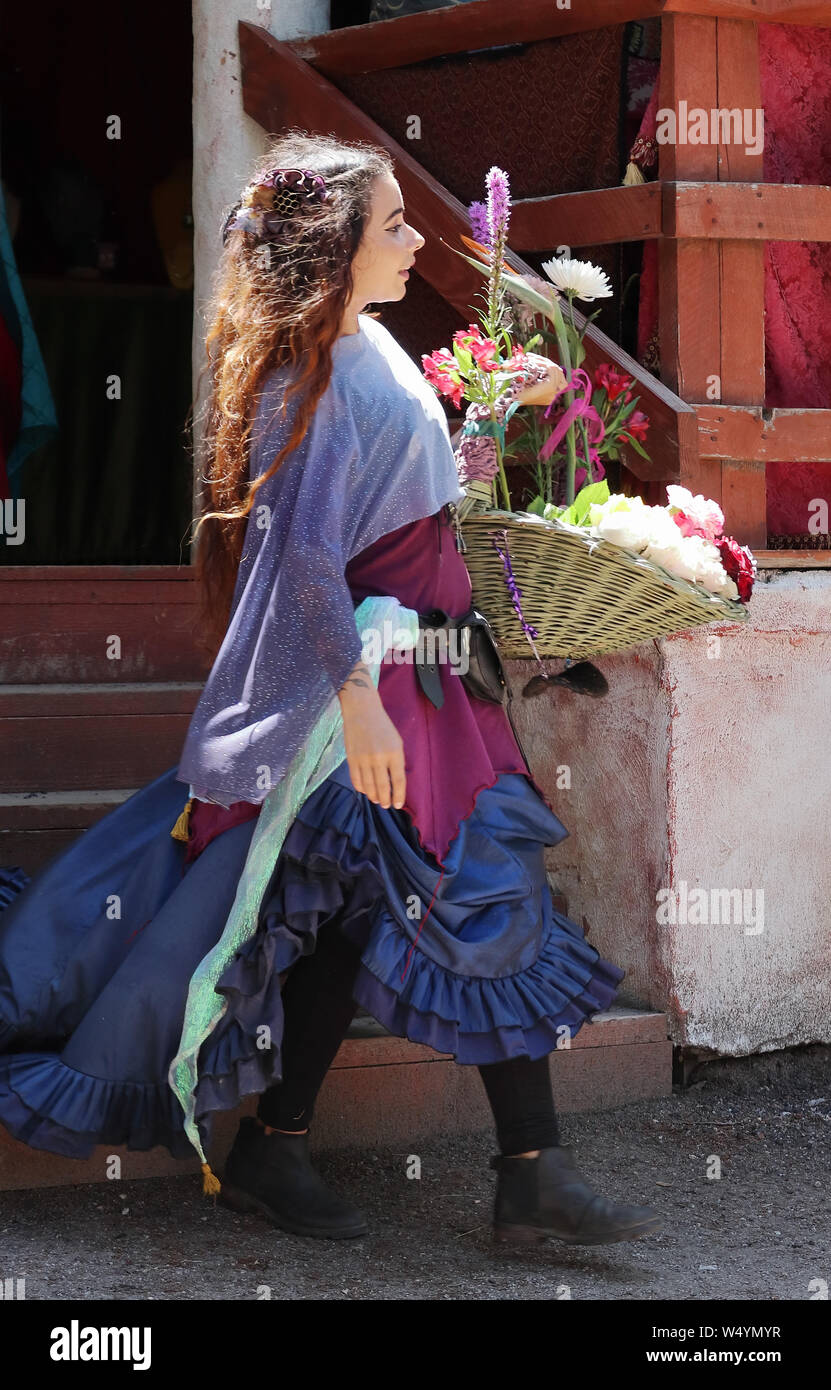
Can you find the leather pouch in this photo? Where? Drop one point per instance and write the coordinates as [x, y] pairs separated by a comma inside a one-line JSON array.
[[478, 659]]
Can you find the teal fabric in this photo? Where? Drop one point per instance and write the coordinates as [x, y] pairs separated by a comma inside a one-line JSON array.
[[322, 752], [38, 423]]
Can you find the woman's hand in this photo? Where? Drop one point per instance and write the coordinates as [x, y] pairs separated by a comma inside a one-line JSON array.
[[543, 392], [374, 748]]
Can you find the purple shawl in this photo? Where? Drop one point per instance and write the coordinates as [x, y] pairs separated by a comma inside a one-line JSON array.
[[376, 455]]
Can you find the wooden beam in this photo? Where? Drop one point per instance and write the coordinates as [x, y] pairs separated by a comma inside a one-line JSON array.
[[593, 218], [677, 209], [486, 24], [746, 211], [793, 559], [742, 291], [711, 292], [731, 432], [280, 91], [481, 24], [813, 12]]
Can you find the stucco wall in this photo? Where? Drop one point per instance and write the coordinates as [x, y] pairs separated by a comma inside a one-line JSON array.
[[707, 772], [225, 141]]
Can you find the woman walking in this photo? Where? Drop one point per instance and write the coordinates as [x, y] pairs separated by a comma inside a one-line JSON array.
[[347, 837]]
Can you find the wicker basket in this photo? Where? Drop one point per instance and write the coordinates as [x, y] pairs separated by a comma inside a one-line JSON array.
[[585, 596]]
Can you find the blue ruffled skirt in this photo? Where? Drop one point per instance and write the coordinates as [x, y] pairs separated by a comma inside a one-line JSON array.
[[96, 954]]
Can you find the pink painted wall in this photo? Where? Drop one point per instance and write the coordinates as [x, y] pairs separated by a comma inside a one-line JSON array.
[[705, 772]]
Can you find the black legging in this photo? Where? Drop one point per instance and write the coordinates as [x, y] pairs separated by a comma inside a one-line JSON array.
[[318, 1008]]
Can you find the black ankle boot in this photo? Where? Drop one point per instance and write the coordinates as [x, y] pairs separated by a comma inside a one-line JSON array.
[[271, 1174], [547, 1196]]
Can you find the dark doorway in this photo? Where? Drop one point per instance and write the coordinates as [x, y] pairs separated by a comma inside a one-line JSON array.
[[95, 158]]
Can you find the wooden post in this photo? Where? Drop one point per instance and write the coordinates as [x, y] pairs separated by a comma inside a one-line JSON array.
[[711, 292]]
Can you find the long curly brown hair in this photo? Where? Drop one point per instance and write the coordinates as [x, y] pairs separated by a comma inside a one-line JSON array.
[[278, 298]]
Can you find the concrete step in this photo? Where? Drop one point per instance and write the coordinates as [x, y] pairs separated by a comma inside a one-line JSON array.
[[385, 1090]]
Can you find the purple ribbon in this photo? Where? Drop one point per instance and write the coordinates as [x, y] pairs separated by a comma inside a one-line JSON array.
[[516, 593]]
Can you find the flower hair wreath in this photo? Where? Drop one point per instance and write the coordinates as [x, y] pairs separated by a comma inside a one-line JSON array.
[[273, 199]]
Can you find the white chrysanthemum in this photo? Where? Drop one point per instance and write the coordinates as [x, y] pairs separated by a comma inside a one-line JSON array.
[[580, 278]]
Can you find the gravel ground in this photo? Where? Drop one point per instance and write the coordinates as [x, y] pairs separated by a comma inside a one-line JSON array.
[[761, 1231]]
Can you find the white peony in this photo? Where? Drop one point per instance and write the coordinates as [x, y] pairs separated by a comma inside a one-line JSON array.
[[653, 533]]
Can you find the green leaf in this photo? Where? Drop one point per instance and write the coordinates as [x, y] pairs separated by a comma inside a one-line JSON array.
[[591, 493], [464, 357], [537, 507], [633, 443]]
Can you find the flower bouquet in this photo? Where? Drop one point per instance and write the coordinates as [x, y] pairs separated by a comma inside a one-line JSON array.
[[593, 572]]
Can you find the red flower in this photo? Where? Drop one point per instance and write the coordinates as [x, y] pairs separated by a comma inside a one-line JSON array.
[[483, 350], [464, 334], [485, 354], [441, 371], [636, 426], [739, 564], [614, 382]]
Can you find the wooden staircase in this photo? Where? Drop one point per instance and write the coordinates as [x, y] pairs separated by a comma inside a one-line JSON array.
[[99, 675]]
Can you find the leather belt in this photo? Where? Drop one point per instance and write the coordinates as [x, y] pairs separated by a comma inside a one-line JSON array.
[[427, 671]]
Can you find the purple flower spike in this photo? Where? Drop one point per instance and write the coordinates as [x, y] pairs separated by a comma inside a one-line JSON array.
[[478, 214], [499, 204]]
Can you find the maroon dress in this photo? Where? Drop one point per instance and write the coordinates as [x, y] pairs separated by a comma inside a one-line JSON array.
[[420, 565]]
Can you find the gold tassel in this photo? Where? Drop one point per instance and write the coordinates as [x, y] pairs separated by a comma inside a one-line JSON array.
[[181, 830], [210, 1182], [633, 175]]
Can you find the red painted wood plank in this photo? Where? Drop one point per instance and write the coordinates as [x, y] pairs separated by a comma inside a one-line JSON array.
[[100, 574], [793, 559], [32, 812], [393, 43], [592, 218], [71, 701], [67, 633], [742, 292], [88, 752], [748, 210], [813, 12], [728, 431]]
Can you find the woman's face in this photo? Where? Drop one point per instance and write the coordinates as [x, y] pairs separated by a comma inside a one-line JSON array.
[[387, 248]]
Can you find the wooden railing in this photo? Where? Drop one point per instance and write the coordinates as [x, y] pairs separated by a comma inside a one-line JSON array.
[[709, 211]]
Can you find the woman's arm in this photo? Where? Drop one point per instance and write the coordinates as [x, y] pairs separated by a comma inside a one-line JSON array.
[[374, 747]]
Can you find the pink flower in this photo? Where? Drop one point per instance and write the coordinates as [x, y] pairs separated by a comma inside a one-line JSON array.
[[696, 516], [581, 476]]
